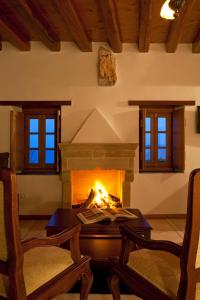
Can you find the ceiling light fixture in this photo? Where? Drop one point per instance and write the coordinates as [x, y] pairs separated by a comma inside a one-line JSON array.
[[170, 9]]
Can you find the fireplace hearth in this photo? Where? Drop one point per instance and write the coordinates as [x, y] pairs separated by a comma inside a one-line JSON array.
[[85, 163]]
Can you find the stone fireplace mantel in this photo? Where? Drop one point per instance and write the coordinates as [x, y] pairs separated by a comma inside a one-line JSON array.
[[89, 156]]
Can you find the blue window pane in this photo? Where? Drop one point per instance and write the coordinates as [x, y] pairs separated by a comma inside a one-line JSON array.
[[33, 141], [147, 124], [147, 154], [33, 157], [34, 125], [147, 139], [162, 154], [50, 141], [50, 125], [162, 139], [162, 124], [49, 157]]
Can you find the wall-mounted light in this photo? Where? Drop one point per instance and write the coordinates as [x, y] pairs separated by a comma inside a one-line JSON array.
[[170, 9]]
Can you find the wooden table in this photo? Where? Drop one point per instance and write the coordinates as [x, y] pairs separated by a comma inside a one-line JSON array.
[[99, 240]]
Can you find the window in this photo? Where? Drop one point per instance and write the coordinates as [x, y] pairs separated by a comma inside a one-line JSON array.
[[161, 139], [35, 133], [40, 139]]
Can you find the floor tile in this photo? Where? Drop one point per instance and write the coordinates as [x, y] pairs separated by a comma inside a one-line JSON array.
[[26, 226], [161, 225], [177, 224], [167, 235], [38, 229]]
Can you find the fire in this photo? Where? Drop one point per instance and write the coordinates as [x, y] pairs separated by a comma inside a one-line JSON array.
[[101, 195], [101, 198]]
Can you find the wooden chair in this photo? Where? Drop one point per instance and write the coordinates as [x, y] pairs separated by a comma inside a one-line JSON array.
[[36, 268], [162, 270]]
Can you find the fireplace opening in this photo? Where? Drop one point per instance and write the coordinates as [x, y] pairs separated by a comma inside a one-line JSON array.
[[97, 188]]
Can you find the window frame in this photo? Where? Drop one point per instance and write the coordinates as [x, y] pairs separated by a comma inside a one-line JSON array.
[[175, 123], [42, 114]]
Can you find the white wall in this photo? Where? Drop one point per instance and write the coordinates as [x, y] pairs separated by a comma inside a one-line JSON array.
[[70, 74]]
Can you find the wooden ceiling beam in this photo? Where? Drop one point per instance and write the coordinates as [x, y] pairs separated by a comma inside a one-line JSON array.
[[196, 44], [32, 18], [74, 24], [144, 25], [110, 18], [12, 34], [176, 29]]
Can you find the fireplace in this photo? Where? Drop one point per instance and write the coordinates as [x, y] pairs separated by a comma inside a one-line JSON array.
[[111, 164]]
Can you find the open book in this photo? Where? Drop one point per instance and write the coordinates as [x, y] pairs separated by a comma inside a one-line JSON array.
[[93, 215]]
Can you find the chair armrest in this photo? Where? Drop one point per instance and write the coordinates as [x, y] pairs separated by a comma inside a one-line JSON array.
[[150, 244], [71, 234]]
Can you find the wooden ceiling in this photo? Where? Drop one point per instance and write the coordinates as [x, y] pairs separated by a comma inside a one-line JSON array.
[[86, 21]]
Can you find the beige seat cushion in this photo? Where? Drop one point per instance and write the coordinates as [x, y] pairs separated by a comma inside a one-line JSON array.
[[158, 267], [198, 256], [197, 291], [40, 265]]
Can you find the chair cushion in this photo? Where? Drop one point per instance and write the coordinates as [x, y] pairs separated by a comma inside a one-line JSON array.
[[3, 248], [3, 285], [198, 256], [158, 267], [40, 265], [43, 263]]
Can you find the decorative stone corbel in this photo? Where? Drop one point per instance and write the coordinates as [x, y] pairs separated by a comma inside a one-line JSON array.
[[106, 67]]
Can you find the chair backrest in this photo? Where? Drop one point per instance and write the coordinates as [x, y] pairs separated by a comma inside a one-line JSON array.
[[11, 255], [190, 256], [3, 242]]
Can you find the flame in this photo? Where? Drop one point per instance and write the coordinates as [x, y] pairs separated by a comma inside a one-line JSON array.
[[102, 198]]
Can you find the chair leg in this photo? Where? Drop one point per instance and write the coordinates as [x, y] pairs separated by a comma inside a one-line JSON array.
[[113, 282], [86, 283]]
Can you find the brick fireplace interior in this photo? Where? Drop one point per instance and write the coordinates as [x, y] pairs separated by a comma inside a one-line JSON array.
[[111, 164]]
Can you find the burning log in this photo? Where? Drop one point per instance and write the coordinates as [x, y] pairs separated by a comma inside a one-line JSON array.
[[106, 202], [114, 198], [90, 199], [115, 201]]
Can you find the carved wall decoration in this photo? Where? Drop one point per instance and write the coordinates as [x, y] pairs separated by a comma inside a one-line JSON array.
[[106, 67]]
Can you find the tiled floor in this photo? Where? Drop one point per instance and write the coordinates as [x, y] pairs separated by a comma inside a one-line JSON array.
[[165, 229]]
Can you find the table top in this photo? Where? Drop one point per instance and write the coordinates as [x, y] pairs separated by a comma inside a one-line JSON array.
[[65, 218]]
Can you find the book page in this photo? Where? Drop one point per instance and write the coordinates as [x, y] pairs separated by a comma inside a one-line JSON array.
[[92, 215], [120, 212]]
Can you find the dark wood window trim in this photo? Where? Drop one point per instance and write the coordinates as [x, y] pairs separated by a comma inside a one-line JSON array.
[[177, 132], [36, 104], [175, 147], [160, 103], [41, 115], [19, 138]]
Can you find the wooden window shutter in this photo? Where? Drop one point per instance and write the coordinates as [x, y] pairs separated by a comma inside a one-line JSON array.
[[58, 120], [178, 139], [142, 114], [16, 141]]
